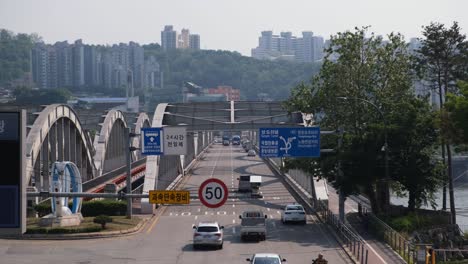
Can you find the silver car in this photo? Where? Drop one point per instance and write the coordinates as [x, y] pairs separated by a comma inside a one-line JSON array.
[[266, 258], [208, 234]]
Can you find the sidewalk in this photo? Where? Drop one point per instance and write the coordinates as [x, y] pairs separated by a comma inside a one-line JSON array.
[[379, 252]]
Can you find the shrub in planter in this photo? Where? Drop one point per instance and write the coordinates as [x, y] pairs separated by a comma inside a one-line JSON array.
[[43, 209], [103, 207], [102, 220]]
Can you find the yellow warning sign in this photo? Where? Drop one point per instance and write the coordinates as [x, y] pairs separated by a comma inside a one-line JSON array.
[[169, 197]]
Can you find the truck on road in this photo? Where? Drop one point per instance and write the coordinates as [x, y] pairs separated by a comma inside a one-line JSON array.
[[253, 225]]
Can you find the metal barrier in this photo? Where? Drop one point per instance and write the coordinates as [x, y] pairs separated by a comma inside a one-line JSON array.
[[405, 248], [355, 244]]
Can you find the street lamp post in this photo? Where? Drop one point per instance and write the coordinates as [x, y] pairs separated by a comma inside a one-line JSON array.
[[384, 148]]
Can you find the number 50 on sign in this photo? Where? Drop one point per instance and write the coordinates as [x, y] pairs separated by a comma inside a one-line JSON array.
[[213, 193]]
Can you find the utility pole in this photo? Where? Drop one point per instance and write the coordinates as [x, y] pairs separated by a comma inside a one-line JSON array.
[[129, 171]]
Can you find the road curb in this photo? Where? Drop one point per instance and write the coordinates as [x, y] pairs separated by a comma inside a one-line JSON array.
[[77, 236]]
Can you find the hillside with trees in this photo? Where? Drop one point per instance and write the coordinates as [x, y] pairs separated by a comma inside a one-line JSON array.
[[210, 68]]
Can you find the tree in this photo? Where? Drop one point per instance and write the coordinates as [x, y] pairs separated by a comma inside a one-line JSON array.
[[102, 220], [14, 54], [440, 62], [375, 78], [457, 108], [415, 171]]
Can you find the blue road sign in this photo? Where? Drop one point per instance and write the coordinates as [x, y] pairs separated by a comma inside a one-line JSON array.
[[289, 142], [152, 141]]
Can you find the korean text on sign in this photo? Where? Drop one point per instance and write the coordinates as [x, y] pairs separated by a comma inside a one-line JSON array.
[[169, 197]]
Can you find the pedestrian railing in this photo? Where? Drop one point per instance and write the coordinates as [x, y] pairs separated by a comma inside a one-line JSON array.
[[355, 245], [405, 248]]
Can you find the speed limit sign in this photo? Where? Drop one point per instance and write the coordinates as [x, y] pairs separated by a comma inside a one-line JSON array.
[[213, 193]]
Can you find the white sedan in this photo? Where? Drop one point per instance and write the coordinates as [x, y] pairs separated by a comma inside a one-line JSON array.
[[294, 213], [266, 258]]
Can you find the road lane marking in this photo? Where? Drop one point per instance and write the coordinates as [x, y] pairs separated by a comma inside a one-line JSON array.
[[233, 205], [156, 220], [278, 212], [196, 217], [233, 221], [199, 209], [185, 214], [268, 209]]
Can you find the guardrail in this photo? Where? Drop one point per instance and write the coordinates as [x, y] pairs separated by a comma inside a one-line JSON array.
[[355, 244], [405, 248]]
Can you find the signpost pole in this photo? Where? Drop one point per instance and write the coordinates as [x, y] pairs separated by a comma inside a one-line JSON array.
[[129, 171]]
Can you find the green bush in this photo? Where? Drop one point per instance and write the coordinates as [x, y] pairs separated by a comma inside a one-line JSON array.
[[102, 220], [62, 230], [43, 209], [103, 207]]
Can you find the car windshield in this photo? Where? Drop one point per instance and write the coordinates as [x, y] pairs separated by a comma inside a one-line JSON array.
[[266, 260], [207, 229]]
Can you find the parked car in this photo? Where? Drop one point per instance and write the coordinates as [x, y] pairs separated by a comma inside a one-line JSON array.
[[266, 258], [208, 234], [293, 213], [251, 153]]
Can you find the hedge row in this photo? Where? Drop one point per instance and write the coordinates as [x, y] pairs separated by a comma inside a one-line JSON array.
[[61, 230], [90, 208]]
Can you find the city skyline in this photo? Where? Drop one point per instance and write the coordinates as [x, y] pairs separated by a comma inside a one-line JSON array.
[[220, 23]]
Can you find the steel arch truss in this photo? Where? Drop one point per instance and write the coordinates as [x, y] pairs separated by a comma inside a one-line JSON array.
[[57, 135], [142, 121], [233, 115], [110, 142]]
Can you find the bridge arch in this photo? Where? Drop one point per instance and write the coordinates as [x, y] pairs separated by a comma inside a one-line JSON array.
[[110, 143], [142, 121], [57, 135]]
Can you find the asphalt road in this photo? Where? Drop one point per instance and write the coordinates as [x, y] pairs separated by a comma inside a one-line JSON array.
[[167, 238]]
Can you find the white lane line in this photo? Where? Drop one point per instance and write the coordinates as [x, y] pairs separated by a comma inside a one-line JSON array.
[[233, 221], [271, 216], [233, 205], [278, 212], [199, 209], [268, 209], [196, 217], [233, 213], [206, 212], [233, 230]]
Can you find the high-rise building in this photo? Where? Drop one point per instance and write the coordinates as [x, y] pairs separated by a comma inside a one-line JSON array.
[[91, 66], [317, 48], [78, 64], [44, 66], [309, 48], [38, 65], [64, 64], [152, 73], [168, 38], [194, 41], [183, 40], [136, 64]]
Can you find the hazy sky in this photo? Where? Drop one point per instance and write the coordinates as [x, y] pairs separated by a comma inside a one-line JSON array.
[[227, 25]]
